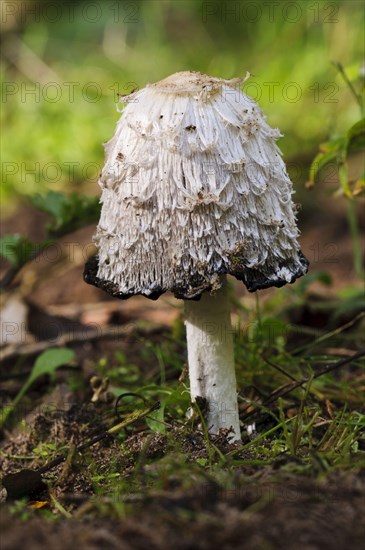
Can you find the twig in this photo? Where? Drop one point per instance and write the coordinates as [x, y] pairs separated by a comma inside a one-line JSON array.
[[29, 63], [343, 73], [89, 334], [287, 388], [59, 506], [68, 463], [330, 334], [14, 270], [278, 368], [9, 276]]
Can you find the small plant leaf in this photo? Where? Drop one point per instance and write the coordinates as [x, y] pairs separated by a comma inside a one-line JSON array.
[[356, 136], [46, 363], [155, 420], [359, 186], [52, 203], [69, 212], [344, 179], [18, 250], [317, 276], [320, 161], [333, 145], [49, 361]]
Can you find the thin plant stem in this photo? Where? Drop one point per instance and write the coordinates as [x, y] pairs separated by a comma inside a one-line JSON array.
[[356, 238], [342, 72]]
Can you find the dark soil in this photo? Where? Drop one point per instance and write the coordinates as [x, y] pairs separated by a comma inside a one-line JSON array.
[[290, 512], [266, 507]]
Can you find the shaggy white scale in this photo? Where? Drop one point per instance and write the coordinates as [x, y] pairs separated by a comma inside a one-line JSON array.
[[193, 181]]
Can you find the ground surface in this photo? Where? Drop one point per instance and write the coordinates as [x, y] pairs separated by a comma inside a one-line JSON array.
[[306, 516], [252, 506]]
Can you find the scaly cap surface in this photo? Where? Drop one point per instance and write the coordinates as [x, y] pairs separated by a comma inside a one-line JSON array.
[[194, 186]]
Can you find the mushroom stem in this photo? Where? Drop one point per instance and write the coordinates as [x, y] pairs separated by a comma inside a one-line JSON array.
[[212, 374]]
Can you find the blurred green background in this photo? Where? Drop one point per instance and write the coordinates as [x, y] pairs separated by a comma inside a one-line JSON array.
[[64, 63]]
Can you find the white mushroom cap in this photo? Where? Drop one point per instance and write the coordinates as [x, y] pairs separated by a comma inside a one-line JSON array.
[[194, 186]]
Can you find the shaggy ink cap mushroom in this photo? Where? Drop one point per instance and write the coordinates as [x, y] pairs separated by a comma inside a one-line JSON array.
[[193, 187]]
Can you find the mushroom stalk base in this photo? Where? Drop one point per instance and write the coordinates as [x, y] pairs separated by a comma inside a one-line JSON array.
[[212, 374]]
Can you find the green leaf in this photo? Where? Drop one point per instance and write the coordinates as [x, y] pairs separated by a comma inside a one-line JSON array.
[[18, 250], [344, 179], [178, 398], [356, 136], [156, 418], [46, 363], [52, 203], [330, 151], [320, 161], [317, 276], [352, 301], [69, 212], [49, 361], [334, 145], [359, 185], [15, 249]]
